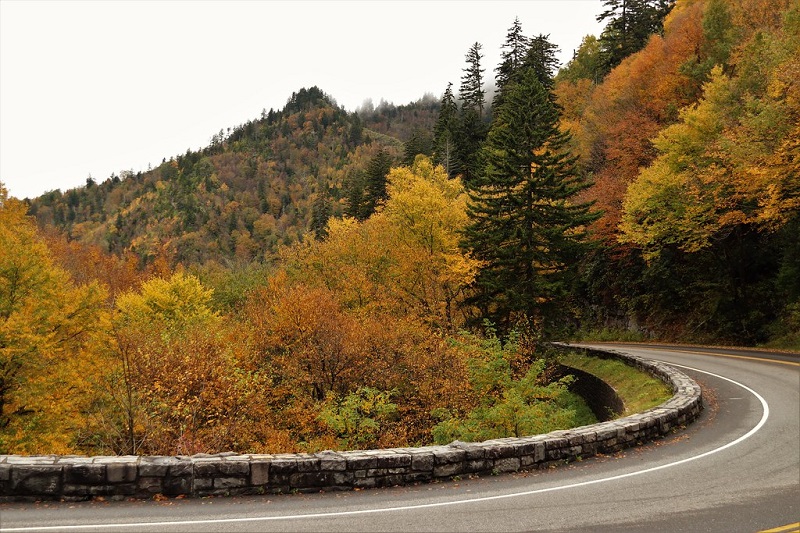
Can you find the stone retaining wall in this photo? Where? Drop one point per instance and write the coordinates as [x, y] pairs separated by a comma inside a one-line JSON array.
[[601, 397], [78, 477]]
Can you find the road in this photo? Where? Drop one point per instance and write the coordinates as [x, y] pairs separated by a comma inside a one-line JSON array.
[[736, 469]]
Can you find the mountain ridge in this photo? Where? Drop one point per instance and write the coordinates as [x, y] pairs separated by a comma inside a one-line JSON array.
[[246, 193]]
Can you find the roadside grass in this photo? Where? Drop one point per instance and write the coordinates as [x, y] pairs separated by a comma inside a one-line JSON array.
[[583, 413], [638, 390]]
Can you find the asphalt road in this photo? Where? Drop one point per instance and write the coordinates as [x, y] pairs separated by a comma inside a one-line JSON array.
[[736, 469]]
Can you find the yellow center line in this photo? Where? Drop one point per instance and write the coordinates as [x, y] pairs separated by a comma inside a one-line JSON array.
[[760, 359], [716, 354], [788, 528]]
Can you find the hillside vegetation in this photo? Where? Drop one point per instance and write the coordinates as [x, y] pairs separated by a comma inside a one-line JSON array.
[[317, 278]]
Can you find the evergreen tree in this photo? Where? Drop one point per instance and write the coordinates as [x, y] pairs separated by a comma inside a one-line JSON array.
[[541, 57], [630, 25], [472, 127], [321, 211], [445, 132], [375, 184], [514, 50], [354, 193], [524, 221], [472, 95], [420, 142]]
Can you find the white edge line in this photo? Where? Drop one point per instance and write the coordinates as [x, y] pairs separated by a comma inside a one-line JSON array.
[[747, 435]]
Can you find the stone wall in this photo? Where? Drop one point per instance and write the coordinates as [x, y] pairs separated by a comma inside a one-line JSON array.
[[78, 477]]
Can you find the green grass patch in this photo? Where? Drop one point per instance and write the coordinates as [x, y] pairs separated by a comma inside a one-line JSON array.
[[639, 391]]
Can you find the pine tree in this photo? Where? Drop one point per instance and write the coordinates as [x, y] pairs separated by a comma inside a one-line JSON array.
[[321, 212], [472, 95], [472, 127], [444, 134], [513, 54], [375, 182], [524, 221], [541, 57], [420, 142], [354, 193]]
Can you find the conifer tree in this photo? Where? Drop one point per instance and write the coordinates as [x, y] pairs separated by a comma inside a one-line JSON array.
[[472, 127], [513, 54], [420, 142], [541, 57], [354, 193], [472, 95], [321, 212], [375, 182], [630, 25], [445, 132], [525, 224]]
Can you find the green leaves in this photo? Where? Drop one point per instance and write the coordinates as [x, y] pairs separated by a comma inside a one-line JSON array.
[[514, 398]]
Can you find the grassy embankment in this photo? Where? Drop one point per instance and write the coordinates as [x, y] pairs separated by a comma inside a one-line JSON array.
[[639, 391]]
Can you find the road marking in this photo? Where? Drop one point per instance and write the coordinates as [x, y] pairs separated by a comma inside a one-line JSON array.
[[788, 528], [334, 514], [715, 354]]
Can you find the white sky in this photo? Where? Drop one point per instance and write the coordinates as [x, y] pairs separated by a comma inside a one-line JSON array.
[[93, 88]]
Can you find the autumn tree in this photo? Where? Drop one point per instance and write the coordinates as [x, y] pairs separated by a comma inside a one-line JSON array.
[[628, 109], [181, 382], [524, 221], [585, 63], [723, 193], [47, 329], [426, 212]]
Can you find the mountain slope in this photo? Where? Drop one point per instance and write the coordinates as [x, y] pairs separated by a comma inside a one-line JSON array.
[[265, 183]]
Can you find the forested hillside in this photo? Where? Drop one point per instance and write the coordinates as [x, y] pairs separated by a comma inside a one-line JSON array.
[[692, 144], [318, 278], [261, 185]]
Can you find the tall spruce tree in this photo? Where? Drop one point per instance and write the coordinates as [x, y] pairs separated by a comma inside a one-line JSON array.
[[366, 190], [513, 53], [445, 132], [541, 57], [472, 127], [525, 222]]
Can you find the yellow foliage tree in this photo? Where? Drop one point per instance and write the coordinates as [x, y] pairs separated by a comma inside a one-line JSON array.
[[730, 161], [426, 212], [47, 329], [182, 382], [405, 257]]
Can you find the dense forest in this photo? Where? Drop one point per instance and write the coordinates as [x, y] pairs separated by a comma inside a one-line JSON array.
[[318, 278]]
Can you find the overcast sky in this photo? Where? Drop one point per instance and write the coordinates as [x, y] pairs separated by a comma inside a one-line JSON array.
[[94, 88]]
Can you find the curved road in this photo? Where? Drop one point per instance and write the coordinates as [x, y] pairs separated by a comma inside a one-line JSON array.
[[737, 468]]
